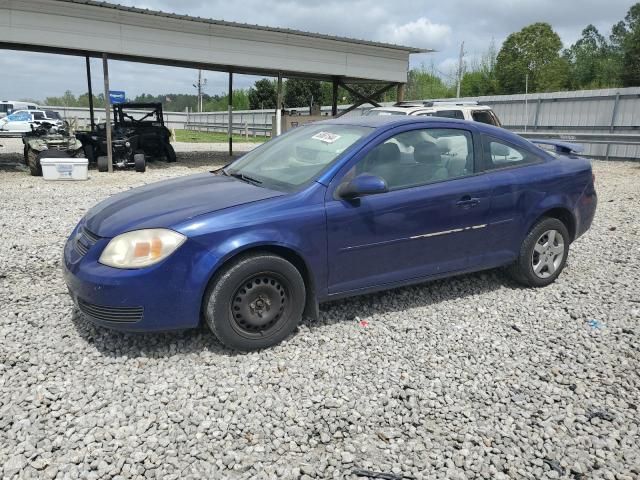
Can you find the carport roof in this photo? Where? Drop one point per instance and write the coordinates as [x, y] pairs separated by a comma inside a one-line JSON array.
[[212, 21], [92, 28]]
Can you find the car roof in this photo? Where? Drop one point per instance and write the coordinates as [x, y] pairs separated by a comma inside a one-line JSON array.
[[29, 111], [409, 109], [387, 122]]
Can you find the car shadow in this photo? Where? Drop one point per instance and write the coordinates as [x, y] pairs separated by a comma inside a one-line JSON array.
[[416, 296], [12, 162], [167, 344]]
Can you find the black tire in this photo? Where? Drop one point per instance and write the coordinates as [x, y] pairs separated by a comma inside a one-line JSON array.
[[139, 162], [169, 153], [255, 303], [33, 162], [26, 155], [539, 262], [89, 153], [103, 163]]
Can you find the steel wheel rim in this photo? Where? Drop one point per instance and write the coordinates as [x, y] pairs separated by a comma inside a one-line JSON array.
[[259, 304], [548, 254]]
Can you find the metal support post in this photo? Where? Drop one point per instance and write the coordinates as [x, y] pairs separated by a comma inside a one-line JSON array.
[[91, 112], [334, 98], [230, 114], [107, 112]]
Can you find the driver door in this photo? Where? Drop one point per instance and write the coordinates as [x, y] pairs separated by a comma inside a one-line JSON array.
[[435, 209]]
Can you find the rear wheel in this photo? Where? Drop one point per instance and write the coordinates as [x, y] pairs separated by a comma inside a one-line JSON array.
[[139, 162], [543, 254], [33, 162], [103, 164], [256, 302], [170, 153]]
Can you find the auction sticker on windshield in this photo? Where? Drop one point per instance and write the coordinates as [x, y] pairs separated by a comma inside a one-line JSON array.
[[326, 137]]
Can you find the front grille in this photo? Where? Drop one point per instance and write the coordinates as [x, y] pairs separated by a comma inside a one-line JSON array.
[[111, 314], [84, 241]]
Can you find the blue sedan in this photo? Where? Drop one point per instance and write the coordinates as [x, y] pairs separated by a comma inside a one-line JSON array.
[[328, 210]]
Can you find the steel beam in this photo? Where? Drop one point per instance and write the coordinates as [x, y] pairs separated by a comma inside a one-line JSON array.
[[363, 98], [334, 97], [91, 112], [107, 111]]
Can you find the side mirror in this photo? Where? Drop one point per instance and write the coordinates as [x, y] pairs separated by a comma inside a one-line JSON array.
[[363, 184]]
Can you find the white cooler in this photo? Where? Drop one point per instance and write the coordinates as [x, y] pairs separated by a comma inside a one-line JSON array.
[[65, 168]]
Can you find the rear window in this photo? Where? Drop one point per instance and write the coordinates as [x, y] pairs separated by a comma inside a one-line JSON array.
[[6, 107], [449, 114], [485, 116], [53, 115]]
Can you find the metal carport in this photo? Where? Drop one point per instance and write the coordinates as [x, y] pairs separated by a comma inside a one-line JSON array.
[[108, 31]]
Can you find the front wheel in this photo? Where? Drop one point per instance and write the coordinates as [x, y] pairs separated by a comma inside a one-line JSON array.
[[33, 162], [256, 302], [543, 254]]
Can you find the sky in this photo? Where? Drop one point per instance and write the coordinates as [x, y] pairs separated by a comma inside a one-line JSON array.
[[441, 25]]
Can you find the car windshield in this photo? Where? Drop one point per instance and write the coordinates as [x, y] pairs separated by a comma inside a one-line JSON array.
[[378, 113], [290, 161]]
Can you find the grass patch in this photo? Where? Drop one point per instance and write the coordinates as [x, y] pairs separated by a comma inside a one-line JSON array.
[[190, 136]]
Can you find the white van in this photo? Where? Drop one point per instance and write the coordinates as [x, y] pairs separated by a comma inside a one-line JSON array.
[[9, 106]]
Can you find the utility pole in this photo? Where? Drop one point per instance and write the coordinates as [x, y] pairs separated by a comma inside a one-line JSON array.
[[526, 101], [200, 86], [460, 68]]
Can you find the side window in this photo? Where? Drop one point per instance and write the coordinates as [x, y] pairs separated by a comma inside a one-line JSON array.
[[450, 114], [38, 115], [19, 117], [485, 116], [499, 154], [419, 157]]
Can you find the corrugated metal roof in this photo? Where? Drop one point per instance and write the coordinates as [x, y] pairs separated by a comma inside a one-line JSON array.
[[225, 23]]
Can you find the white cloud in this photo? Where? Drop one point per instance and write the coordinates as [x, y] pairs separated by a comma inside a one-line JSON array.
[[418, 33]]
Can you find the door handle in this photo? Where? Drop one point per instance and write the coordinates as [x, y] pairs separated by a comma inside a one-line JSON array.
[[467, 202]]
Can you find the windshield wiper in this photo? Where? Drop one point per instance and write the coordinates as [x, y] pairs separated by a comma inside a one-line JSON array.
[[244, 178]]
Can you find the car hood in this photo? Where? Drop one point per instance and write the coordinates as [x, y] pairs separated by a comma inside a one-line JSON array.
[[163, 204]]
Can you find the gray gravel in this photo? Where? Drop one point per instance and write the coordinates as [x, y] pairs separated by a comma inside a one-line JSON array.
[[472, 377]]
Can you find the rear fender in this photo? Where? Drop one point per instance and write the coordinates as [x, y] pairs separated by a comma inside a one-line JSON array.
[[561, 201]]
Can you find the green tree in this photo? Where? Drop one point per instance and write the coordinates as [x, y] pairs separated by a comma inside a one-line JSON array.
[[481, 79], [424, 84], [625, 40], [302, 93], [594, 63], [533, 51], [262, 94]]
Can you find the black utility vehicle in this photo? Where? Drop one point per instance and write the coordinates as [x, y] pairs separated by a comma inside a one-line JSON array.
[[138, 135]]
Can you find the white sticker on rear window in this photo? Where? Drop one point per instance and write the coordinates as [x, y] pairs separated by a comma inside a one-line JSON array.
[[326, 137]]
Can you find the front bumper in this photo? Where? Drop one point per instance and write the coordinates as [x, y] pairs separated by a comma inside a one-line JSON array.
[[166, 296]]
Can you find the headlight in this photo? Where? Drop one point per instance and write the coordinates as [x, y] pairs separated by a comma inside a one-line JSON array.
[[141, 248], [127, 144]]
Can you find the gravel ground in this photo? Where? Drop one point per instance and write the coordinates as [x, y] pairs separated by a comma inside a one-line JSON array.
[[471, 377]]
